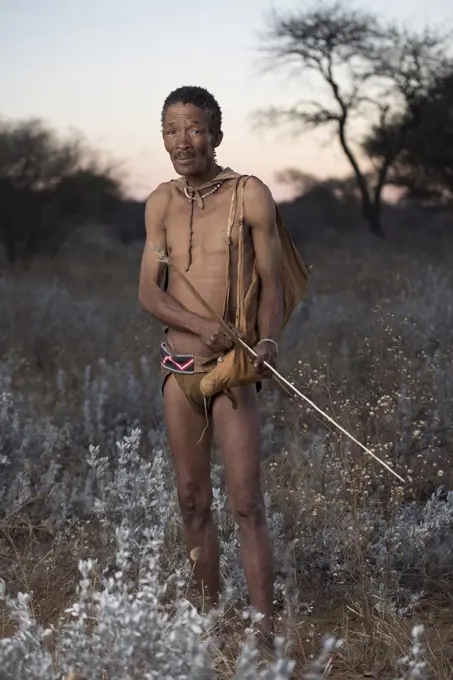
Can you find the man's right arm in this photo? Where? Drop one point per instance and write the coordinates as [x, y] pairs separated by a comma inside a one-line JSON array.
[[151, 297]]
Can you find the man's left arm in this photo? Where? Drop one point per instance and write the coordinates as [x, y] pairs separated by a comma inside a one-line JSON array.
[[260, 215]]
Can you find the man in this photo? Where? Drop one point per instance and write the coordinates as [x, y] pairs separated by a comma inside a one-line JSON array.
[[220, 231]]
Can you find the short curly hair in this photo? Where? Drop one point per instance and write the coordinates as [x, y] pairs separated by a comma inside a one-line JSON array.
[[198, 96]]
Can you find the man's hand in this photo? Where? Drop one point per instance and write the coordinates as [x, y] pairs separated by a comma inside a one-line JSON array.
[[213, 336], [266, 351]]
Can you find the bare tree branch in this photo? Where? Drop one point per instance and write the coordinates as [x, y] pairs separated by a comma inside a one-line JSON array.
[[366, 66]]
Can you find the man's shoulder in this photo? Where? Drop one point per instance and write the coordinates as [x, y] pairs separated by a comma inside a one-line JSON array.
[[161, 193], [258, 199], [159, 199], [256, 188]]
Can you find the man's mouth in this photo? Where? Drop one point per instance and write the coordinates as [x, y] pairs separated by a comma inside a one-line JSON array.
[[185, 160]]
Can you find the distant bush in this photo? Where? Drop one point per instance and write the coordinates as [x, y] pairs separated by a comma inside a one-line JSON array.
[[48, 186]]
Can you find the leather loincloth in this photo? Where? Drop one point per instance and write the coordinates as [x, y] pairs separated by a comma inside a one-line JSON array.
[[188, 371]]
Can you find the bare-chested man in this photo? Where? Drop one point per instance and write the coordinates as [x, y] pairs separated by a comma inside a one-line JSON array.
[[190, 219]]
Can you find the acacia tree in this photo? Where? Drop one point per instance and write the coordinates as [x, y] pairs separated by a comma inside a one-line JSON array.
[[425, 165], [365, 72]]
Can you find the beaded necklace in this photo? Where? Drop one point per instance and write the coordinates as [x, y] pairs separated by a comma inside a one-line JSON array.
[[191, 195]]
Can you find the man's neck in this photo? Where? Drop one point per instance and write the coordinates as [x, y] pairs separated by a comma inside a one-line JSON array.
[[197, 181]]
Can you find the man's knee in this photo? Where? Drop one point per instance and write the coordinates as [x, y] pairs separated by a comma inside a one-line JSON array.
[[247, 507], [195, 502]]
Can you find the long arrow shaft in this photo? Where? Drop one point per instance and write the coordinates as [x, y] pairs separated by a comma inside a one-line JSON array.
[[294, 389], [234, 337]]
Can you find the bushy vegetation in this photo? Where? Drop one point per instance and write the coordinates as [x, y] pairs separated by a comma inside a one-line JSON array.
[[50, 185], [95, 578]]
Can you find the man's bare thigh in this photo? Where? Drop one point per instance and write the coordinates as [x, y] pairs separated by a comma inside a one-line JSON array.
[[238, 434], [189, 435]]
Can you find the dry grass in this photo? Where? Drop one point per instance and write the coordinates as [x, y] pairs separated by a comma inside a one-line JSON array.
[[351, 348]]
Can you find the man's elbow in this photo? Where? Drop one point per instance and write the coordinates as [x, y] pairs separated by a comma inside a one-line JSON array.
[[147, 298], [142, 300]]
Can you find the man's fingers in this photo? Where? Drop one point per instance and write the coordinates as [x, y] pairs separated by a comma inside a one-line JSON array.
[[258, 363], [219, 342], [259, 366], [227, 342]]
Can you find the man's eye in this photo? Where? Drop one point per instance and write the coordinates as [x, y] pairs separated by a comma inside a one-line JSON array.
[[171, 132], [196, 132]]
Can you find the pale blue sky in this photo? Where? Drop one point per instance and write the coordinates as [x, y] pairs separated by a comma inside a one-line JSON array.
[[104, 69]]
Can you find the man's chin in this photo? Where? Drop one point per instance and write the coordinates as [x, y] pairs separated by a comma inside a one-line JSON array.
[[186, 169]]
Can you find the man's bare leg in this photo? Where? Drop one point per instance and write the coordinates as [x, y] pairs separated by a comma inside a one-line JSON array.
[[192, 461], [238, 434]]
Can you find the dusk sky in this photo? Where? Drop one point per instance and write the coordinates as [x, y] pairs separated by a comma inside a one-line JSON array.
[[105, 68]]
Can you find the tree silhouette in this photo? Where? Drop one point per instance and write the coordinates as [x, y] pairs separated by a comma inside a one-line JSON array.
[[425, 164], [47, 186], [364, 71]]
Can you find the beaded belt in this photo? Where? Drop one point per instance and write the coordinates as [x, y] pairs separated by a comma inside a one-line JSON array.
[[177, 363]]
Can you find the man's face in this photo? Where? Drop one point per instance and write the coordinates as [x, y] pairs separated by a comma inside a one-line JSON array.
[[188, 140]]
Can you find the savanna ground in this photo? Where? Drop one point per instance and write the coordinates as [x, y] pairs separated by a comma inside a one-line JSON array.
[[95, 581]]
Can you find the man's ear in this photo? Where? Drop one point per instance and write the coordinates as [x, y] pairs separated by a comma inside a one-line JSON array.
[[218, 139]]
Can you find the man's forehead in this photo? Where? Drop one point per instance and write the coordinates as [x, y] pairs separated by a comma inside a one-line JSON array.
[[181, 111]]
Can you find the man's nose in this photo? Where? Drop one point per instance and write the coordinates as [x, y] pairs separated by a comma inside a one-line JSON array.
[[183, 140]]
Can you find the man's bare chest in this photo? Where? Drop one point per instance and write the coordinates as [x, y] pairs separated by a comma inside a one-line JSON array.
[[209, 232]]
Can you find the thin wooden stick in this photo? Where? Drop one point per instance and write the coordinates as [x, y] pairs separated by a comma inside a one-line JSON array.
[[230, 333]]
